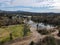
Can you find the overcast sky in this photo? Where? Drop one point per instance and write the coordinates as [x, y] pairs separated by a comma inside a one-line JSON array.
[[30, 5]]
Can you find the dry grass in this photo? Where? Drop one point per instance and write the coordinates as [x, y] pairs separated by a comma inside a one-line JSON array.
[[17, 31]]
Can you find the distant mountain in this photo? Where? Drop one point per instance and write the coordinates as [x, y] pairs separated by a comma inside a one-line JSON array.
[[27, 13], [1, 11]]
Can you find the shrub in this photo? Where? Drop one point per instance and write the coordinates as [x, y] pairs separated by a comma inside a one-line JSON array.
[[43, 32]]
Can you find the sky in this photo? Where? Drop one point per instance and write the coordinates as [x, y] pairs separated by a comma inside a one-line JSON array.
[[30, 5]]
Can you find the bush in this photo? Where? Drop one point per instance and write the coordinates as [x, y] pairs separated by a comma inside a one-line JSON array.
[[26, 30], [49, 40], [43, 32]]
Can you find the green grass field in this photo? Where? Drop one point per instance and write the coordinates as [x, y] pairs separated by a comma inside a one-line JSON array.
[[16, 30]]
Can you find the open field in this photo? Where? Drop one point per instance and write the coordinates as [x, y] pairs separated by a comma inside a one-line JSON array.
[[15, 30]]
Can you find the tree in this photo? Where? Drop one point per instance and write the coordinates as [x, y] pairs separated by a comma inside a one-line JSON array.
[[26, 30]]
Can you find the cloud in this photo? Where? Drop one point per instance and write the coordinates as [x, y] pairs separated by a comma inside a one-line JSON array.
[[56, 4], [30, 5]]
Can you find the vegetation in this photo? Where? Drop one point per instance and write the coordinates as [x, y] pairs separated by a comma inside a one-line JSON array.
[[45, 32], [49, 40], [47, 19], [14, 31], [10, 20], [9, 30]]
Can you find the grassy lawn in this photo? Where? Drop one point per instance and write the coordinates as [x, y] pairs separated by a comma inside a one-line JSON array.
[[17, 31]]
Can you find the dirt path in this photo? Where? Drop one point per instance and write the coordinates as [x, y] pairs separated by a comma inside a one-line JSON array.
[[35, 36]]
